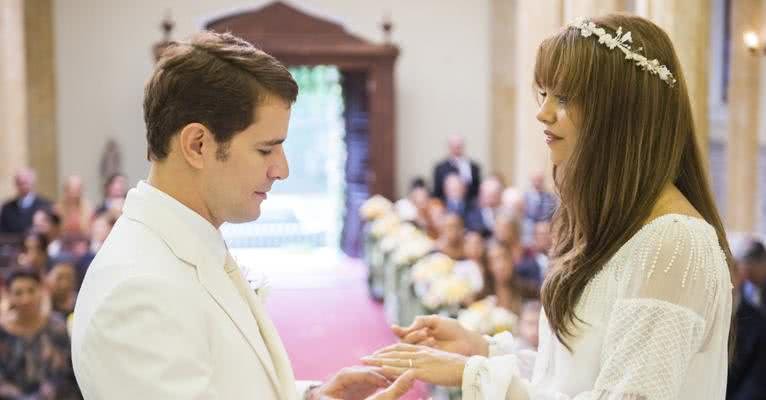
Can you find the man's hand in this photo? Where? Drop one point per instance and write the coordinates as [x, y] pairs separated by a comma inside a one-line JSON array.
[[444, 334], [397, 389], [353, 383]]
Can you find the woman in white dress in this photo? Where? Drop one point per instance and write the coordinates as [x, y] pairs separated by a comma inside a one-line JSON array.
[[638, 301]]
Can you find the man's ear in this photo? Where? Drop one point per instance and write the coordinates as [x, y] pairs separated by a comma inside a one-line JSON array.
[[193, 141]]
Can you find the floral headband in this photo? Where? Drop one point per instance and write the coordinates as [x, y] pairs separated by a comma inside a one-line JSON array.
[[620, 40]]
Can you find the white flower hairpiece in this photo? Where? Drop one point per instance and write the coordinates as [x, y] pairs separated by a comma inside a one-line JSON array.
[[621, 41]]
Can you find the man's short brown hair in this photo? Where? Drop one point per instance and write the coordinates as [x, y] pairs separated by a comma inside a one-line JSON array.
[[213, 79]]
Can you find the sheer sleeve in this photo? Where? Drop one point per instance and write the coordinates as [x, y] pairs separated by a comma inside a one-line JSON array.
[[668, 292]]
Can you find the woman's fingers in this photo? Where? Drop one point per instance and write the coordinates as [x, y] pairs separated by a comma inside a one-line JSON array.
[[402, 347], [416, 337]]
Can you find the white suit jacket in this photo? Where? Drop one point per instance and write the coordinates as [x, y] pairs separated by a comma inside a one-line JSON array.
[[158, 317]]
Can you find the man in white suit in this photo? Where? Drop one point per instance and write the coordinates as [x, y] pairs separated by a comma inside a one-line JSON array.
[[164, 311]]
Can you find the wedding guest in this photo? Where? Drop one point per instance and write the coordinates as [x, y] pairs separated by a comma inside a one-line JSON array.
[[481, 218], [35, 358], [34, 254], [115, 190], [74, 209], [457, 163], [450, 240], [16, 214], [61, 282], [48, 223]]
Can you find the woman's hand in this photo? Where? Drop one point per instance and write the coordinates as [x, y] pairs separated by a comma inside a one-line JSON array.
[[425, 363], [444, 334]]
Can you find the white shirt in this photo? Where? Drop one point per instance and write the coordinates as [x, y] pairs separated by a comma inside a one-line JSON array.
[[657, 325], [464, 168]]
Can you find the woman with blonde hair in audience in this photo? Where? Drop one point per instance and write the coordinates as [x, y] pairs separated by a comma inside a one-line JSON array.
[[35, 358], [73, 208], [638, 300]]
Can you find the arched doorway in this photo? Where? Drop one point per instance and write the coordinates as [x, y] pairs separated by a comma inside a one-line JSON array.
[[298, 38]]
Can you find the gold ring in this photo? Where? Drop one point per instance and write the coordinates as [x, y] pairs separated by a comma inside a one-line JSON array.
[[410, 360]]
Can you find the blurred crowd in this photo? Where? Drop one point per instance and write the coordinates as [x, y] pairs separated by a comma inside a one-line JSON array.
[[46, 247]]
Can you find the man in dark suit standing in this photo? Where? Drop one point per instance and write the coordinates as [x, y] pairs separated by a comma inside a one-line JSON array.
[[747, 373], [16, 214], [481, 218], [457, 163]]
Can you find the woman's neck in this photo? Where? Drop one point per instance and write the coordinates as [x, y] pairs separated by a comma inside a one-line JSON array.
[[672, 201]]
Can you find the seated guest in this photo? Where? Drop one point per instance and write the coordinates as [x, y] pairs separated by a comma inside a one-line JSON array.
[[61, 282], [34, 253], [500, 279], [436, 212], [16, 214], [508, 233], [100, 228], [115, 190], [414, 207], [450, 241], [529, 321], [534, 262], [77, 250], [48, 223], [481, 218], [454, 196], [473, 247], [748, 366], [74, 209], [512, 202], [35, 360]]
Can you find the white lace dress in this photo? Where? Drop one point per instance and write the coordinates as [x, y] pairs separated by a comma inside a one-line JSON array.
[[657, 327]]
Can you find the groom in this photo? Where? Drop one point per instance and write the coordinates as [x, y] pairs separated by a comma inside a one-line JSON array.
[[164, 312]]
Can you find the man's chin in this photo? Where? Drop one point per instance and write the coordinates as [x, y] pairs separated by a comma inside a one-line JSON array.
[[242, 219]]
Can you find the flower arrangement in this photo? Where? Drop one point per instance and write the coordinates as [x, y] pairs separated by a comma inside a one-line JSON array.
[[487, 318], [375, 207]]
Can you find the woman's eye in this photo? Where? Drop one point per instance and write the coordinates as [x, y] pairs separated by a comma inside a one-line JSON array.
[[562, 99], [265, 152]]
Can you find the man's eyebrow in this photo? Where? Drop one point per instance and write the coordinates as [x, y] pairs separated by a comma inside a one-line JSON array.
[[272, 142]]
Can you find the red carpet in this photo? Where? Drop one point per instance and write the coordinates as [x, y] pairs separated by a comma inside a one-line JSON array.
[[325, 316]]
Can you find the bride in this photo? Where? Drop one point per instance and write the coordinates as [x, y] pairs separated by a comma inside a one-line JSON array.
[[638, 303]]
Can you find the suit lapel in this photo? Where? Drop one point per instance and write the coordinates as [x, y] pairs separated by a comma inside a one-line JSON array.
[[220, 287]]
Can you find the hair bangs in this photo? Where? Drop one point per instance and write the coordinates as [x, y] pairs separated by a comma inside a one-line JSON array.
[[560, 67]]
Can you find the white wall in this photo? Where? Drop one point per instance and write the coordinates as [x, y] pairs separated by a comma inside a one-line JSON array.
[[103, 59]]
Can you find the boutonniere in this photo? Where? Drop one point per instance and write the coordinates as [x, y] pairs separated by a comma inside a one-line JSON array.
[[258, 281]]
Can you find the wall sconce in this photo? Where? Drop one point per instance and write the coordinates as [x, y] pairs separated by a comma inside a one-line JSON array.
[[754, 43]]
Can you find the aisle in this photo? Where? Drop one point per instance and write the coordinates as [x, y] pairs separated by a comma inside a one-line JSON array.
[[320, 306]]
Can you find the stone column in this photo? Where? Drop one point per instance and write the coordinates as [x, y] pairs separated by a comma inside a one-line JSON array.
[[13, 101], [689, 30], [742, 139], [504, 87], [590, 8], [41, 95], [535, 20], [27, 94]]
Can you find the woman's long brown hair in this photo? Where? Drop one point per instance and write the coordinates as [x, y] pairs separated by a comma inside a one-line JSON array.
[[636, 136]]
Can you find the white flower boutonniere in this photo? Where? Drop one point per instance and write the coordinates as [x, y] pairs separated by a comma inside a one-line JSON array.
[[258, 281]]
